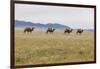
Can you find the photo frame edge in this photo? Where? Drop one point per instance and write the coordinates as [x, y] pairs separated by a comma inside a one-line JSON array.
[[12, 58]]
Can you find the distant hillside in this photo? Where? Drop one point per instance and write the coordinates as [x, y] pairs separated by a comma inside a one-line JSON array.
[[21, 24], [90, 30]]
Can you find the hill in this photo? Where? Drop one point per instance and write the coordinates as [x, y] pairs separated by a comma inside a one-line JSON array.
[[21, 24]]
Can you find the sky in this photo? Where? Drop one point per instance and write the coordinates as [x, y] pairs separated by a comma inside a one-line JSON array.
[[73, 17]]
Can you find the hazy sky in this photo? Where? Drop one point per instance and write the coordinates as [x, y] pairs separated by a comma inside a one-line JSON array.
[[73, 17]]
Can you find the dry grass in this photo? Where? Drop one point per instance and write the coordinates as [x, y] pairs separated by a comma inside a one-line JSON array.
[[41, 48]]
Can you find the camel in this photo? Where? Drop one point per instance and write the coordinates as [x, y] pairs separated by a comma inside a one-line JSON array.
[[50, 30], [80, 31], [68, 31], [28, 29]]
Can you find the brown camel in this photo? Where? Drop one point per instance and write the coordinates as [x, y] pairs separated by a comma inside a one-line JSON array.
[[28, 29], [50, 30], [80, 31], [68, 31]]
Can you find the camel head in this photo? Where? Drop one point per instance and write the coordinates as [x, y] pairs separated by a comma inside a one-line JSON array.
[[71, 30], [82, 30], [53, 29], [32, 28]]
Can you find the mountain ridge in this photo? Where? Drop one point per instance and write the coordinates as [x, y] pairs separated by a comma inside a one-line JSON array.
[[21, 24]]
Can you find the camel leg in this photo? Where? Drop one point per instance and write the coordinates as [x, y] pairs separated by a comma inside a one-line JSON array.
[[69, 33], [30, 32], [47, 32], [80, 33], [24, 32], [64, 32]]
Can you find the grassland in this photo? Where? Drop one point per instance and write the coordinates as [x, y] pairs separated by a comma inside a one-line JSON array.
[[41, 48]]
